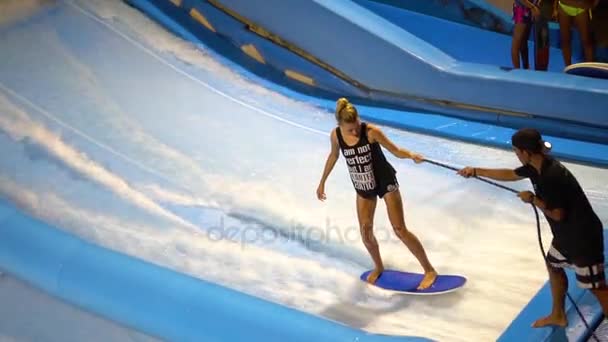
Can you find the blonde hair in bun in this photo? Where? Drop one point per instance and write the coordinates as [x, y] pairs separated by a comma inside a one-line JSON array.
[[345, 111]]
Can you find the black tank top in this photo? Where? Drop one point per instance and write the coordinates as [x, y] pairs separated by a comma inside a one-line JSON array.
[[366, 163]]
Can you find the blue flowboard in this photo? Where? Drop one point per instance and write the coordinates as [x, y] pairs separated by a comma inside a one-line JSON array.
[[589, 69], [407, 282]]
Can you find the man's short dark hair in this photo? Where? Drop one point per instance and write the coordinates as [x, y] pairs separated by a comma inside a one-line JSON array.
[[528, 139]]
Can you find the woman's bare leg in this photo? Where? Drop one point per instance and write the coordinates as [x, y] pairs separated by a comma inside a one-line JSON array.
[[394, 206], [365, 213], [519, 32], [583, 23], [565, 22]]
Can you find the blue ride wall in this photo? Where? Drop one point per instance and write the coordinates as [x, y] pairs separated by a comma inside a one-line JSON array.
[[398, 67]]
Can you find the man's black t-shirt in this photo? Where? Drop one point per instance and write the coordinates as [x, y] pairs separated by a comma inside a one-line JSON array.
[[579, 236]]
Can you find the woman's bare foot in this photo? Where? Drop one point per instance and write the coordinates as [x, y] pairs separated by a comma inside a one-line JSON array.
[[428, 280], [373, 275], [559, 320]]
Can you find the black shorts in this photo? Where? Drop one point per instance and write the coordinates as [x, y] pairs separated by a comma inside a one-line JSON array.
[[382, 189], [589, 275]]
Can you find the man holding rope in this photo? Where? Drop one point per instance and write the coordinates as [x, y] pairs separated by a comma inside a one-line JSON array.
[[578, 240]]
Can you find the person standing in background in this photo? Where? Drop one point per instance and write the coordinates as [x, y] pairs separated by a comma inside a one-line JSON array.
[[523, 11], [577, 12]]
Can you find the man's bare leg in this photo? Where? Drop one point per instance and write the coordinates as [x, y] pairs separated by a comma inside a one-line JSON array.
[[559, 286]]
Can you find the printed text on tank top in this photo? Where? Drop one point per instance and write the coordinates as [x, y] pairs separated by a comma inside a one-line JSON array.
[[359, 162]]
